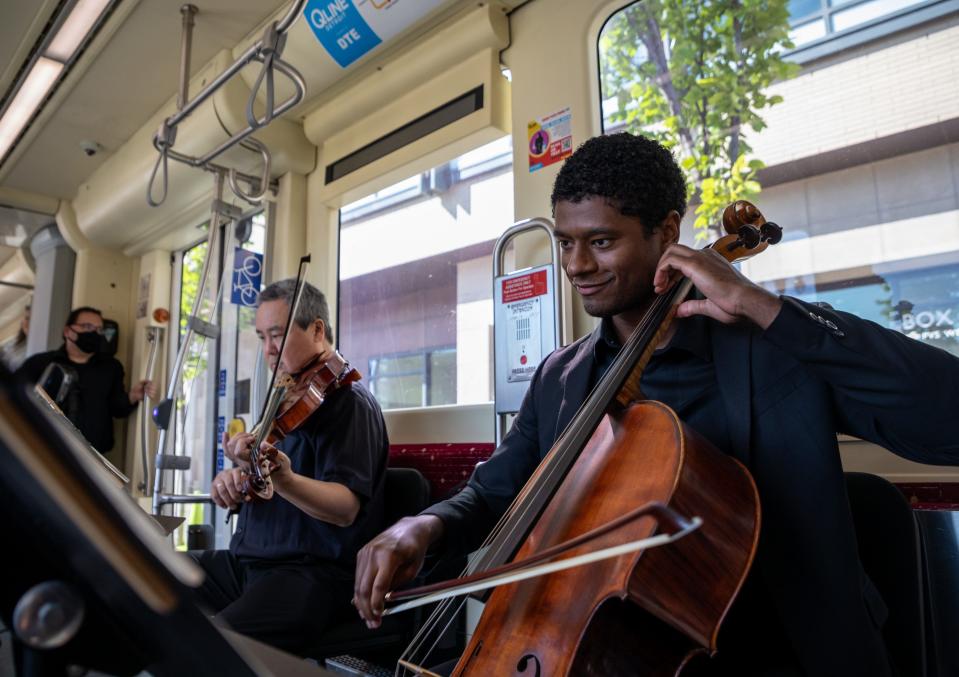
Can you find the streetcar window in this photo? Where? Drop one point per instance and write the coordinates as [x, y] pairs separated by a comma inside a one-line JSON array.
[[852, 155], [415, 290]]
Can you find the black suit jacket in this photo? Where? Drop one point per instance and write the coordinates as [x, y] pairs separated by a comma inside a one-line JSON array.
[[814, 372]]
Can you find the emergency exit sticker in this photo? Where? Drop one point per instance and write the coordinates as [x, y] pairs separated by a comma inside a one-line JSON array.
[[521, 299], [550, 139], [341, 29], [524, 286]]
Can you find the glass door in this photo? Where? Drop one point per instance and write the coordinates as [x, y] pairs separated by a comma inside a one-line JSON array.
[[222, 369]]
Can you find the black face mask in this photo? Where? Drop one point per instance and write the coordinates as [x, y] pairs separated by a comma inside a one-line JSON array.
[[89, 341]]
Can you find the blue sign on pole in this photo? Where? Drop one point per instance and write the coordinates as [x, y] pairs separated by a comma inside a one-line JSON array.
[[247, 276], [341, 29], [220, 429], [221, 384]]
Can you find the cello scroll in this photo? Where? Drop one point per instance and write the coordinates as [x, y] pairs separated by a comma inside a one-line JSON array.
[[748, 232]]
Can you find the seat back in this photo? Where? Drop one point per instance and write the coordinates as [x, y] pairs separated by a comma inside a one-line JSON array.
[[890, 551], [939, 532], [407, 492]]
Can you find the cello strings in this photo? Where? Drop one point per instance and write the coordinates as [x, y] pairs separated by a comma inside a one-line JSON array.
[[555, 463], [432, 626]]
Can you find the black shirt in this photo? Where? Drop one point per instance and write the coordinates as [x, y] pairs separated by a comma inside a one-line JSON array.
[[96, 397], [681, 375], [344, 441]]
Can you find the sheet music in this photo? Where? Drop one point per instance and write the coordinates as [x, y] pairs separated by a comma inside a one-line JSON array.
[[61, 419]]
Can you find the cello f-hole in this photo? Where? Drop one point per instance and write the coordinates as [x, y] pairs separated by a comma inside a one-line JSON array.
[[525, 661]]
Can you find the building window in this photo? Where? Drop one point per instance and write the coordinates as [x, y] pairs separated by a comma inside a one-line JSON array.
[[857, 157], [922, 303], [415, 289], [414, 380], [820, 27]]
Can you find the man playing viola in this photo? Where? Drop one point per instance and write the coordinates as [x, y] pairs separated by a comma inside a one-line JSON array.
[[767, 379], [289, 571]]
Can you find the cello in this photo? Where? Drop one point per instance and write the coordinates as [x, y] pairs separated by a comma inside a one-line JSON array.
[[648, 612]]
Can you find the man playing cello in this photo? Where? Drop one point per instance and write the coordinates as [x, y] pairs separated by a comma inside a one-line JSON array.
[[769, 380]]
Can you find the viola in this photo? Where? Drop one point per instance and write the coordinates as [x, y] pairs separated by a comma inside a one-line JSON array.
[[650, 612], [293, 401]]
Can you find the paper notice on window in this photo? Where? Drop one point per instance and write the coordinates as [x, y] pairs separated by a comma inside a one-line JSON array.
[[550, 139]]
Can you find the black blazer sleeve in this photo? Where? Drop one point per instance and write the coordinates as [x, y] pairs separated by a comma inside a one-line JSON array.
[[887, 388]]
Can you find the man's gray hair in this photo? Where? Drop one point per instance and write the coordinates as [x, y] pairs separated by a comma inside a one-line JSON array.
[[313, 304]]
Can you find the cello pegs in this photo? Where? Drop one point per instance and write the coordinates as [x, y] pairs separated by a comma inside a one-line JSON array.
[[749, 236], [771, 232]]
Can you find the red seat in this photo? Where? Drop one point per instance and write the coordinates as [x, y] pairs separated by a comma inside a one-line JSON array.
[[446, 466]]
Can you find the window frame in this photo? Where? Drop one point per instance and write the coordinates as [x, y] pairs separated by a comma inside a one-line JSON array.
[[426, 371], [839, 41]]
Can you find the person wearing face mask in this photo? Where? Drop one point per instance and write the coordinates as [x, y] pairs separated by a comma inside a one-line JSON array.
[[97, 395]]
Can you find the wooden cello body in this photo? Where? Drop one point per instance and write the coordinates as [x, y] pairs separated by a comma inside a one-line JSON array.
[[643, 614]]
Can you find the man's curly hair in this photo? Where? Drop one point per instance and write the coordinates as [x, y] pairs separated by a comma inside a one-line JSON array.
[[636, 175]]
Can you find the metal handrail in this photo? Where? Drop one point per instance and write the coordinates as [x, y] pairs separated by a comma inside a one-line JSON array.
[[525, 226], [154, 337], [267, 51], [499, 254], [181, 499], [257, 197], [177, 372]]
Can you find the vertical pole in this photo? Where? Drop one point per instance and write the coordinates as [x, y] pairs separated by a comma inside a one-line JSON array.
[[186, 43], [154, 337], [53, 289], [177, 372]]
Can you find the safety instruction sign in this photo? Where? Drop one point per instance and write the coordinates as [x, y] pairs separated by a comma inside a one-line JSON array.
[[523, 344], [521, 299], [550, 139], [524, 331], [350, 29]]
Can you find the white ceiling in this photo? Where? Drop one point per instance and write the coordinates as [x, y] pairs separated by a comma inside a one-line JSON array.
[[114, 91], [128, 81]]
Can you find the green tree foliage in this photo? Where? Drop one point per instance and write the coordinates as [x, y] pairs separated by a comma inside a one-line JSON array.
[[695, 76], [190, 284]]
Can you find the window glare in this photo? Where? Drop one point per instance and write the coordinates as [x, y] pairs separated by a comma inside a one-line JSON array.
[[808, 32], [415, 297], [867, 11]]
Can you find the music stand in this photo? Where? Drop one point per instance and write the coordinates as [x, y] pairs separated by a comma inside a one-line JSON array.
[[166, 523], [69, 523]]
